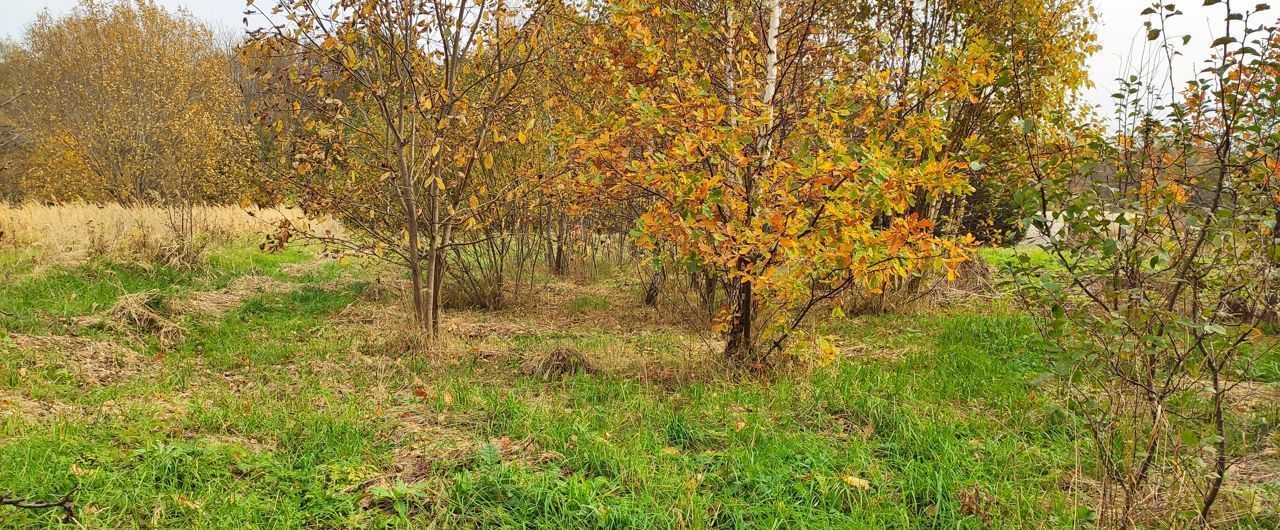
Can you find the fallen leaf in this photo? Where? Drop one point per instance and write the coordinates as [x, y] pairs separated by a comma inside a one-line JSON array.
[[855, 482]]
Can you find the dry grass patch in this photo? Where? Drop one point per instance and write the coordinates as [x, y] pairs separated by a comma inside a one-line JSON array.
[[140, 313], [1248, 396], [92, 361], [600, 308], [389, 329], [304, 268], [879, 352], [219, 302], [974, 283], [13, 404], [556, 364], [478, 325], [253, 445], [72, 233], [434, 447]]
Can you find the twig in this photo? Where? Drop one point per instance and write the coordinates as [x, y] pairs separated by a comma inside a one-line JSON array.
[[65, 503]]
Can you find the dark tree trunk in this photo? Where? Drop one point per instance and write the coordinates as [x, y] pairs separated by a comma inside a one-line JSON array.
[[654, 287], [741, 347]]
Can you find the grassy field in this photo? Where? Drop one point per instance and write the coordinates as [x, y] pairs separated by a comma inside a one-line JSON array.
[[285, 391]]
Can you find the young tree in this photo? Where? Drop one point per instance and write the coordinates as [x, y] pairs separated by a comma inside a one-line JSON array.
[[387, 111], [1165, 264], [765, 161]]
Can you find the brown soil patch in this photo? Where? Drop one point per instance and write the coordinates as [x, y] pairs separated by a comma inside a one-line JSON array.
[[93, 361]]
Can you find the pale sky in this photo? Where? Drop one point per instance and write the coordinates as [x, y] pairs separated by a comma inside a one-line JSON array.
[[1119, 29], [16, 14]]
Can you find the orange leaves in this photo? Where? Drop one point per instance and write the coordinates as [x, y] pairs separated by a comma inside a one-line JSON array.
[[782, 194]]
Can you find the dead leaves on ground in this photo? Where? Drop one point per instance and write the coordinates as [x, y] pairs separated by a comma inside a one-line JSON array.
[[90, 361]]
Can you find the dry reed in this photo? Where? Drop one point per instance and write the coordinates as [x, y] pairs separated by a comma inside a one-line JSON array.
[[72, 233]]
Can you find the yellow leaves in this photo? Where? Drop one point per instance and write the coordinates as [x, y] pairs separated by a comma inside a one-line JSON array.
[[522, 137], [856, 482], [1177, 193], [80, 472], [694, 481], [123, 94], [488, 160], [827, 350]]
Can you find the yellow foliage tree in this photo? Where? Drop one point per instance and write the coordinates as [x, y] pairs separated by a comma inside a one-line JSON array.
[[766, 163], [125, 101]]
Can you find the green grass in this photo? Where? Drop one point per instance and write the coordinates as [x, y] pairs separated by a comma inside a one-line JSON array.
[[1002, 257], [278, 414]]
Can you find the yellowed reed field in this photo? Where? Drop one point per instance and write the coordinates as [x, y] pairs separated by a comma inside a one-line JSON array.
[[69, 233]]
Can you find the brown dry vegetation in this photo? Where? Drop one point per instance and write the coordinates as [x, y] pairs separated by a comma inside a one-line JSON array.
[[67, 234]]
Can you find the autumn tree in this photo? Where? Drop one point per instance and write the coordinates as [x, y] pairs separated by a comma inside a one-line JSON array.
[[389, 113], [125, 100], [766, 161], [973, 66], [9, 130]]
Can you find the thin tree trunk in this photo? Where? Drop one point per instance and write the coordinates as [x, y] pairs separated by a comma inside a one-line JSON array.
[[409, 202], [438, 286], [1220, 446], [741, 346]]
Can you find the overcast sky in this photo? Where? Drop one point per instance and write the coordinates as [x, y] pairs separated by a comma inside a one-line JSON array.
[[1119, 29]]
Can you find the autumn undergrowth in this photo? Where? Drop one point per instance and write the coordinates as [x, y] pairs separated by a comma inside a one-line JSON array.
[[287, 411]]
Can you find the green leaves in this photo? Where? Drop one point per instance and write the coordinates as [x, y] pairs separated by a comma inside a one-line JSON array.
[[1215, 329]]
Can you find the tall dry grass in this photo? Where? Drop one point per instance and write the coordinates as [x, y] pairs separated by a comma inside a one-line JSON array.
[[72, 233]]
